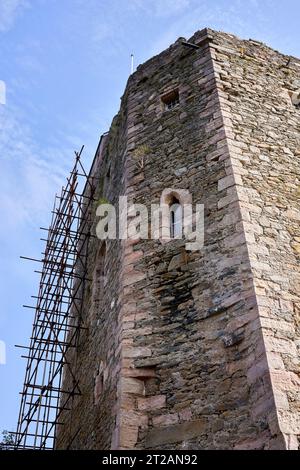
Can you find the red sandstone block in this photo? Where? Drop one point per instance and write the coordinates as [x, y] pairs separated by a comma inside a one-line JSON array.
[[291, 441], [130, 241], [126, 270], [132, 257], [285, 380], [129, 307], [152, 403], [142, 373], [136, 352], [275, 361], [133, 277], [185, 415], [165, 420], [128, 437], [132, 385], [281, 400], [133, 418]]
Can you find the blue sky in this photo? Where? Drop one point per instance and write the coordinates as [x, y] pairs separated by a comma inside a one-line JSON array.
[[65, 64]]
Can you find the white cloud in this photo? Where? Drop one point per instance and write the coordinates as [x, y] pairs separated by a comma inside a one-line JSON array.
[[31, 172], [36, 172], [9, 10], [159, 8], [170, 7], [29, 178], [105, 30], [235, 17]]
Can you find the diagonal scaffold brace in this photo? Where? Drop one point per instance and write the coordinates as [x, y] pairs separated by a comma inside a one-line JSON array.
[[58, 314]]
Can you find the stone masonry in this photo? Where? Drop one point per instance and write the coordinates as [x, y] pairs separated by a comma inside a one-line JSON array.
[[198, 349]]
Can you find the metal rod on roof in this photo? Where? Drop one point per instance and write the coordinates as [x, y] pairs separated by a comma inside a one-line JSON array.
[[190, 44]]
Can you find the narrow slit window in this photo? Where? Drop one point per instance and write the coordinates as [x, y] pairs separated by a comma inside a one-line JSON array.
[[98, 388], [175, 218], [98, 278], [170, 100], [99, 384]]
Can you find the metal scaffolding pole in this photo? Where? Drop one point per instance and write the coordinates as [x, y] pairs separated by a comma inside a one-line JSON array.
[[58, 313]]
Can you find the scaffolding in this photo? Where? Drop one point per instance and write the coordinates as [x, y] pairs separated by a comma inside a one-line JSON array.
[[58, 313]]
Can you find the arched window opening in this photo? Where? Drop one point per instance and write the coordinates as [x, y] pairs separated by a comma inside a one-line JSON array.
[[175, 218], [173, 202]]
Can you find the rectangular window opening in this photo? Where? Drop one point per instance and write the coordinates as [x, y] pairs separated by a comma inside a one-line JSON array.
[[170, 100]]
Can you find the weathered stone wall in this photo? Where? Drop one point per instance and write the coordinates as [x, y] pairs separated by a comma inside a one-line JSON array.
[[256, 85], [197, 349], [199, 329], [91, 422]]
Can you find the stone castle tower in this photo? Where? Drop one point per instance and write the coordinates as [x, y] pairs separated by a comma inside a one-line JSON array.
[[198, 349]]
